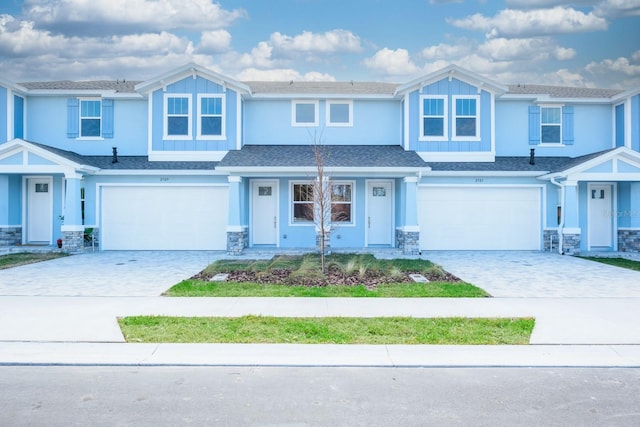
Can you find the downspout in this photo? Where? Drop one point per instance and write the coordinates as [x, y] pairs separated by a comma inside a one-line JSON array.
[[561, 225]]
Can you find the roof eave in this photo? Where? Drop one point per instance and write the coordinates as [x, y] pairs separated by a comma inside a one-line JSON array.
[[194, 70]]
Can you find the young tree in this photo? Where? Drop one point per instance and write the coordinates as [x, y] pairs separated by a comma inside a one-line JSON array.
[[322, 189]]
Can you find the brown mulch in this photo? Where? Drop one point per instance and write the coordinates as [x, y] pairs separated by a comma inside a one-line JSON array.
[[333, 277]]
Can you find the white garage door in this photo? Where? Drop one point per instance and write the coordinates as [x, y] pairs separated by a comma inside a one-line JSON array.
[[479, 218], [164, 218]]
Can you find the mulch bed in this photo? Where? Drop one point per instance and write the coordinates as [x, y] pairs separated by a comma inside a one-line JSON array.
[[333, 277]]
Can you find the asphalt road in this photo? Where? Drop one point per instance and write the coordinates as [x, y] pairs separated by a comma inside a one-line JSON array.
[[232, 396]]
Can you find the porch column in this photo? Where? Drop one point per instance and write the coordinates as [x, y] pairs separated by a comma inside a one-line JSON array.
[[236, 232], [72, 228], [571, 231], [9, 234], [629, 238], [408, 233]]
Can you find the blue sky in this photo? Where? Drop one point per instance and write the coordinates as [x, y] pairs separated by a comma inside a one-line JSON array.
[[578, 43]]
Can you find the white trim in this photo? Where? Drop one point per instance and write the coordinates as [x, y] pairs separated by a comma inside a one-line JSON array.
[[295, 102], [454, 116], [572, 230], [560, 125], [64, 228], [10, 114], [293, 223], [409, 228], [150, 123], [627, 123], [405, 104], [445, 118], [165, 117], [486, 173], [223, 117], [187, 156], [328, 105], [619, 228], [159, 172], [493, 121], [236, 228], [239, 121], [457, 156]]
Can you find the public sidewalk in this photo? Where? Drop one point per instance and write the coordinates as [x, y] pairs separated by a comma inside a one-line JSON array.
[[84, 330]]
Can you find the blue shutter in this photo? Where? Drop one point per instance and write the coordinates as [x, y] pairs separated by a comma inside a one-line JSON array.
[[534, 125], [567, 125], [107, 118], [73, 117]]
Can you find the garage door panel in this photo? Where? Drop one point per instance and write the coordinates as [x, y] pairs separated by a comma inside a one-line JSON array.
[[164, 218], [479, 218]]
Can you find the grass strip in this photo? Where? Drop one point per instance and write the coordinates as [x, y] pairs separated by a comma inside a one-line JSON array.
[[23, 258], [199, 288], [327, 330], [618, 262]]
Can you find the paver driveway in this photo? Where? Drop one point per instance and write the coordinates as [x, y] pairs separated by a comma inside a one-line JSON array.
[[118, 273], [538, 274]]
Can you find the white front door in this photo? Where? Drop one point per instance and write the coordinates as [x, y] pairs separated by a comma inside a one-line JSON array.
[[379, 212], [39, 210], [600, 216], [264, 212]]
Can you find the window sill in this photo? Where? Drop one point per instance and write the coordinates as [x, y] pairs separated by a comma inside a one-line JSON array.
[[465, 139], [177, 137], [90, 138], [211, 138], [551, 144], [434, 139]]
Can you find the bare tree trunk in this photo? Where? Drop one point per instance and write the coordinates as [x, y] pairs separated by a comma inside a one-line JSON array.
[[322, 203]]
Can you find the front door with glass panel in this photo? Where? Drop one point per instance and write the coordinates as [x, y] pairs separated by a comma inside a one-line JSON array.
[[600, 216], [379, 213], [264, 212], [39, 210]]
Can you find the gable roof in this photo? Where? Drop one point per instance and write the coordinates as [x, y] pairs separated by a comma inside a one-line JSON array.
[[582, 164], [118, 86], [352, 89], [562, 91], [450, 72], [190, 69]]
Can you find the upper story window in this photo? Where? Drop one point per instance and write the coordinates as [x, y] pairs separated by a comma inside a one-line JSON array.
[[177, 121], [339, 113], [433, 113], [90, 118], [465, 121], [304, 113], [211, 124], [551, 125]]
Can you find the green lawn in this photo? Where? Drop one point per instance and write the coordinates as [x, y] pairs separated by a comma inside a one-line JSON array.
[[22, 258], [199, 288], [618, 262], [327, 330]]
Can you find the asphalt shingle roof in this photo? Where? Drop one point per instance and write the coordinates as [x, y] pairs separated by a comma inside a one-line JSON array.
[[324, 88], [373, 156], [98, 85], [562, 91]]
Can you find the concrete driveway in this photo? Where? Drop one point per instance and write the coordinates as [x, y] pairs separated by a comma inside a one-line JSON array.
[[515, 274], [118, 273]]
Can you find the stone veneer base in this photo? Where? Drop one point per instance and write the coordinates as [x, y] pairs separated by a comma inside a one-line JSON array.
[[408, 242], [10, 236], [237, 241], [629, 240]]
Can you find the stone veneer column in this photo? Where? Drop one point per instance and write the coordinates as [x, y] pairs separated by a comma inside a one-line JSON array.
[[237, 235], [571, 231], [408, 234], [72, 229]]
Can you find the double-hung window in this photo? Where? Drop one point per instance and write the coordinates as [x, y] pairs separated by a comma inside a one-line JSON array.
[[466, 110], [302, 202], [341, 202], [551, 125], [211, 116], [339, 113], [304, 113], [433, 113], [177, 123], [90, 118]]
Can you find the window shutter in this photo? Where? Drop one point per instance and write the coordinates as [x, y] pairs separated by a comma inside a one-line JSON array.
[[107, 118], [73, 117], [534, 125], [567, 125]]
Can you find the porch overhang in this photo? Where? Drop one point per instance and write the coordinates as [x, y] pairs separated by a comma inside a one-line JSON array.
[[23, 157], [620, 164]]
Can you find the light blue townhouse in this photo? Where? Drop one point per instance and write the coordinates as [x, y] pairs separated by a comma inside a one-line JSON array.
[[195, 160]]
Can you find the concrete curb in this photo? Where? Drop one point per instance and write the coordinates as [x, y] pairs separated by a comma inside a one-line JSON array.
[[119, 354]]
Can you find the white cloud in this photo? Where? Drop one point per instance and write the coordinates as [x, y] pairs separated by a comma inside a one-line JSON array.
[[443, 50], [636, 56], [544, 3], [539, 22], [392, 62], [620, 65], [214, 41], [530, 50], [618, 8], [116, 16], [335, 41]]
